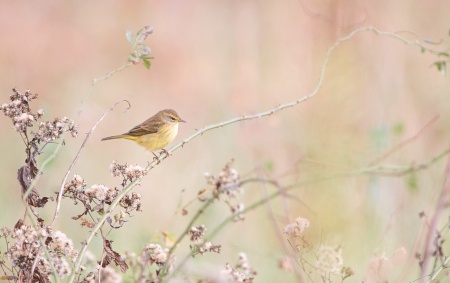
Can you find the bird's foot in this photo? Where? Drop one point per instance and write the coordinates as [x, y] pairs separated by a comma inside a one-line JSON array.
[[156, 158], [166, 152]]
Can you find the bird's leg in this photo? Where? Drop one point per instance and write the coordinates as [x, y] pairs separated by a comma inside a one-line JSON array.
[[166, 152], [156, 158]]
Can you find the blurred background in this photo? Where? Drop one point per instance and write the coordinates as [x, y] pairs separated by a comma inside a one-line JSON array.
[[216, 60]]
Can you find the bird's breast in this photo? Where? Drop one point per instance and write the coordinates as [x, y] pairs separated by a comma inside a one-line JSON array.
[[159, 140]]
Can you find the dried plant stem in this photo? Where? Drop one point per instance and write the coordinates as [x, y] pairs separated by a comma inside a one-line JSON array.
[[259, 203], [61, 189], [163, 272], [277, 229], [59, 144], [235, 120], [34, 266], [50, 158], [41, 241], [404, 143], [433, 230]]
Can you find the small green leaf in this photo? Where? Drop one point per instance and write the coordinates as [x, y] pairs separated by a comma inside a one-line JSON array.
[[143, 33], [438, 65], [422, 50], [411, 181], [269, 166], [130, 37], [398, 128], [180, 202], [169, 239], [444, 54], [146, 63], [144, 49]]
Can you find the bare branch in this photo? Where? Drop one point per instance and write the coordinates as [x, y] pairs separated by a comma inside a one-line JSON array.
[[61, 189]]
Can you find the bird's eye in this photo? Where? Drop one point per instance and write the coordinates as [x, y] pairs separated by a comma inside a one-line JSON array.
[[173, 119]]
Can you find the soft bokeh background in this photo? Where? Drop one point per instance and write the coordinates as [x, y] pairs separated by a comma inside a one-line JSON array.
[[215, 60]]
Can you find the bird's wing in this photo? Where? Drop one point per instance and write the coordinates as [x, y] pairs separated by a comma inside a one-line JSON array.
[[149, 126]]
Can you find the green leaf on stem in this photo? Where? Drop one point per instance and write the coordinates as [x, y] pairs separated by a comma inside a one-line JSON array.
[[169, 239], [130, 37], [143, 33], [144, 49]]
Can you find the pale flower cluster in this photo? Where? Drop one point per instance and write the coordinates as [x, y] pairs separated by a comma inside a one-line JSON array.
[[244, 264], [294, 229], [238, 209], [76, 184], [130, 172], [19, 110], [228, 180], [196, 234], [110, 275], [60, 243], [132, 202], [27, 248], [380, 266], [51, 130], [61, 265], [158, 255], [286, 263], [102, 193], [329, 259], [230, 274]]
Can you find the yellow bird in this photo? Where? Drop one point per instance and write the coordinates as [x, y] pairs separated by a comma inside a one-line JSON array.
[[154, 133]]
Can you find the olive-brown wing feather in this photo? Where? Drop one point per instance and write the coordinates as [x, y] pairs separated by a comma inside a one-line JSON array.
[[149, 126]]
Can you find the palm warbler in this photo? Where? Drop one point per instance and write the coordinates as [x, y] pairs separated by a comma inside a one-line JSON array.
[[154, 133]]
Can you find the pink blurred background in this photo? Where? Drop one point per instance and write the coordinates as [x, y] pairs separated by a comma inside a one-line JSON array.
[[216, 60]]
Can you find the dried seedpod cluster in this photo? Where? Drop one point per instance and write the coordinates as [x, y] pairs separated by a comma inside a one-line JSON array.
[[27, 255], [198, 247], [227, 182]]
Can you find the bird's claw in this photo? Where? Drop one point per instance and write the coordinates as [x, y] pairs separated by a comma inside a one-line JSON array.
[[166, 152]]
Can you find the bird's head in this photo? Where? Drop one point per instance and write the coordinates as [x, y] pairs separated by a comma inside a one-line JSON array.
[[170, 116]]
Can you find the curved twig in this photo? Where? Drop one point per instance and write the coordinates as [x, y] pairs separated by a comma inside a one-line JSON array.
[[61, 189]]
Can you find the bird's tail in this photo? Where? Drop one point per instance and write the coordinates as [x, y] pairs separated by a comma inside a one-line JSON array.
[[114, 137]]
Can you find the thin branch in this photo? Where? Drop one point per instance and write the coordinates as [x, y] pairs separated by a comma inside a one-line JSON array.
[[404, 143], [277, 229], [61, 189], [434, 223], [60, 143], [30, 280]]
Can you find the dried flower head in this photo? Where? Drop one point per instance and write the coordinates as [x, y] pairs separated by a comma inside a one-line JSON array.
[[346, 272], [230, 274], [294, 229], [101, 193], [77, 184], [132, 202], [110, 275], [127, 172], [329, 259], [197, 232], [286, 263], [244, 264], [238, 209], [228, 180], [19, 110], [28, 250], [156, 254]]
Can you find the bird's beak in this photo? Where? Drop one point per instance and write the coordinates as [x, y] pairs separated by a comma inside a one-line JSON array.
[[181, 120]]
